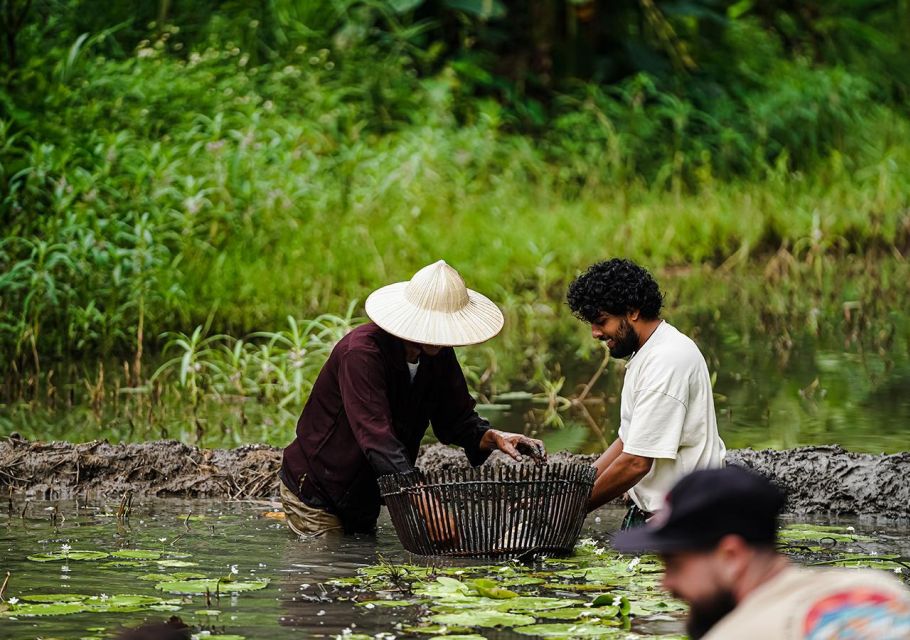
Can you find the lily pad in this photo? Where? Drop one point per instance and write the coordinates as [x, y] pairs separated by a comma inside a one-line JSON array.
[[457, 637], [612, 599], [208, 612], [578, 613], [164, 577], [387, 603], [46, 609], [176, 563], [482, 619], [536, 603], [490, 589], [72, 554], [570, 630], [55, 597], [197, 587], [137, 554]]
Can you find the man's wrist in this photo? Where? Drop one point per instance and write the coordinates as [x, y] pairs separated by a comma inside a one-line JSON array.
[[488, 440]]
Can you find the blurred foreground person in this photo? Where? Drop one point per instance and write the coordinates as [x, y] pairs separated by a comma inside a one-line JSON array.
[[667, 427], [383, 385], [717, 537]]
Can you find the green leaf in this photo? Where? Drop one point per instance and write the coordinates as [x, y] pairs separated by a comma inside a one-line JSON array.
[[72, 554], [55, 597], [575, 613], [176, 563], [490, 589], [535, 603], [388, 603], [613, 600], [571, 630], [195, 587], [482, 619], [49, 609], [403, 6], [136, 554], [164, 577]]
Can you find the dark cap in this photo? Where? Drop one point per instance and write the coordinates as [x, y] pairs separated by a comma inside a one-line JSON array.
[[703, 507]]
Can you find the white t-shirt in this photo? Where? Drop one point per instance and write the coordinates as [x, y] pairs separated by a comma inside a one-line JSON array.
[[412, 369], [667, 413], [820, 604]]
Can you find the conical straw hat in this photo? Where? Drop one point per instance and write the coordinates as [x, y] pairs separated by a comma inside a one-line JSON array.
[[435, 307]]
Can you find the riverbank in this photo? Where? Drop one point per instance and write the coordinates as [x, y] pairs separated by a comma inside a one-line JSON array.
[[819, 480]]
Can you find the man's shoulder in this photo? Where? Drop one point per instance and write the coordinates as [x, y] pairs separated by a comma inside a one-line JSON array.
[[366, 340], [673, 348], [802, 599]]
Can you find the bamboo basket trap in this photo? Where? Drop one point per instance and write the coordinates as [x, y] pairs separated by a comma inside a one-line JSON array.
[[490, 511]]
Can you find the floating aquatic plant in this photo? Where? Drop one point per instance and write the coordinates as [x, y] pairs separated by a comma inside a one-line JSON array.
[[212, 585], [68, 554]]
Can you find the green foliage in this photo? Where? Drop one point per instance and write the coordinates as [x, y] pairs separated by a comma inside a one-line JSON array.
[[177, 173]]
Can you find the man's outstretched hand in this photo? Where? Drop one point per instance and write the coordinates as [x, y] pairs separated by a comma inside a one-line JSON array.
[[515, 445]]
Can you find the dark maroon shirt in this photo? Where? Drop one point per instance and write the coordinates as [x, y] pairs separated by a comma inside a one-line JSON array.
[[366, 418]]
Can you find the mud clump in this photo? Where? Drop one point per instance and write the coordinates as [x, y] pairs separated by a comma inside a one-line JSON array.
[[819, 480]]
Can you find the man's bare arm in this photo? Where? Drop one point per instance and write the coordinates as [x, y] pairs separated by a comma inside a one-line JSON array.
[[623, 473], [607, 457]]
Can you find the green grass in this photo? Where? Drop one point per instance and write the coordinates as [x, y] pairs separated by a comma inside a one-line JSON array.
[[158, 199]]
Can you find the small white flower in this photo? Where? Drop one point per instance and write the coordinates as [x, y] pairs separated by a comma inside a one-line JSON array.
[[321, 612], [851, 529], [370, 605], [65, 547], [234, 569], [599, 551], [13, 600], [617, 601], [162, 539], [897, 570], [104, 596], [634, 563]]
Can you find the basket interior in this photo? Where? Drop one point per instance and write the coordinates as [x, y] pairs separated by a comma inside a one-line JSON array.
[[490, 511]]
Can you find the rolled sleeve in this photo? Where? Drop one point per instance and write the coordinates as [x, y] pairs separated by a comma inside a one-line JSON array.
[[362, 381]]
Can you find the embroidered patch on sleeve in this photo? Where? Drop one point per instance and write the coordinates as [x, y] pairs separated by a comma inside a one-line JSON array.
[[858, 614]]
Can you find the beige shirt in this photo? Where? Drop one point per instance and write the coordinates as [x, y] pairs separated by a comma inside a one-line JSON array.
[[667, 413], [821, 604]]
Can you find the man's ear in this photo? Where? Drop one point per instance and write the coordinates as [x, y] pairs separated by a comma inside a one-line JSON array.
[[733, 554], [634, 315]]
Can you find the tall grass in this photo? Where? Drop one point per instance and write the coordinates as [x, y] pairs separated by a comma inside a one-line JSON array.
[[215, 192]]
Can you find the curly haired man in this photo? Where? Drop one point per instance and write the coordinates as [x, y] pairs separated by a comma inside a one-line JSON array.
[[668, 427]]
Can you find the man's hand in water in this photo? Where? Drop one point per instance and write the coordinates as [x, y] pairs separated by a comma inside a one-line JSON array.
[[513, 444]]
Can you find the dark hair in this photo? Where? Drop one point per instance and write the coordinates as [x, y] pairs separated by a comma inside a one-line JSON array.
[[616, 287]]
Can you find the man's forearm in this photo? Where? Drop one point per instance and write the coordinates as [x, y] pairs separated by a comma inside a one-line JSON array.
[[623, 474], [608, 457]]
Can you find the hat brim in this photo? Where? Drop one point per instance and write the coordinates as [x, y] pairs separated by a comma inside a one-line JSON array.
[[645, 540], [477, 322]]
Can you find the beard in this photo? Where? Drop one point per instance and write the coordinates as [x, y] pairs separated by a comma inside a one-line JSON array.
[[705, 614], [625, 343]]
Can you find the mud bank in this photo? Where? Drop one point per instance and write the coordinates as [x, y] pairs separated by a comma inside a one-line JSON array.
[[819, 480]]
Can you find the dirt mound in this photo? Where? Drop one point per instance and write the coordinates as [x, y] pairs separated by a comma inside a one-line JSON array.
[[819, 480]]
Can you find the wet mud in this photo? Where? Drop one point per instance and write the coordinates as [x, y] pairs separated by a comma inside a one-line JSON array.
[[819, 480]]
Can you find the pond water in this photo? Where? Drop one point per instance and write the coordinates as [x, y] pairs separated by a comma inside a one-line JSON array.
[[308, 592]]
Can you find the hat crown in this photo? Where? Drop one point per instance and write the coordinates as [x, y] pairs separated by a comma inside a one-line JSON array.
[[437, 287]]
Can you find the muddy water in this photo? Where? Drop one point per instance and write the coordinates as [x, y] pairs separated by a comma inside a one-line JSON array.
[[216, 538]]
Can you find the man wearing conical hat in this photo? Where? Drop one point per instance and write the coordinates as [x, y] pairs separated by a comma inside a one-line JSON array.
[[382, 386]]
